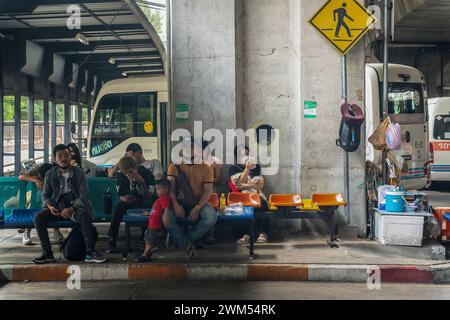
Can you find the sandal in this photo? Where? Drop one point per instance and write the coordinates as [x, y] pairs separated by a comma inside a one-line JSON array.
[[211, 240], [244, 240], [262, 238], [143, 259], [190, 251]]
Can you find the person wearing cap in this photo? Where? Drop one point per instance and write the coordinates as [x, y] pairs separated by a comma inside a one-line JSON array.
[[194, 178], [135, 151]]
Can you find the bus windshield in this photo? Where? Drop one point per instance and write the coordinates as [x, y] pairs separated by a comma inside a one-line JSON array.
[[442, 127], [122, 116], [406, 98]]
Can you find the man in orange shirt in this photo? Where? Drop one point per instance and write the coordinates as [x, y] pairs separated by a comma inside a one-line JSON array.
[[191, 186]]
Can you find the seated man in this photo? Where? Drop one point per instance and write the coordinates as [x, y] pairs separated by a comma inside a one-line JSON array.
[[135, 151], [191, 184], [65, 196], [136, 190], [36, 175]]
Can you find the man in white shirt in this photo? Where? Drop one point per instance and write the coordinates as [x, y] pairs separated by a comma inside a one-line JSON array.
[[135, 151]]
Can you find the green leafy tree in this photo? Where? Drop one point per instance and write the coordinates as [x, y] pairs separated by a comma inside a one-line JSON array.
[[154, 17]]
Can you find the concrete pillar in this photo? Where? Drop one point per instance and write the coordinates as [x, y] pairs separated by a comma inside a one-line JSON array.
[[244, 63], [203, 61]]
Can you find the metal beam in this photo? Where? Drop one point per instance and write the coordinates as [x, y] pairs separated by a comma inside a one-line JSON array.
[[28, 6], [99, 56], [62, 47], [64, 33]]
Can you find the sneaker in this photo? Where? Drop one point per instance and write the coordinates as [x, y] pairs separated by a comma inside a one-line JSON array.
[[95, 257], [45, 258], [57, 237], [26, 238], [111, 246], [190, 251]]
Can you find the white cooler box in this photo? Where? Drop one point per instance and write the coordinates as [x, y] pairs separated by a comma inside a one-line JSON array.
[[402, 229]]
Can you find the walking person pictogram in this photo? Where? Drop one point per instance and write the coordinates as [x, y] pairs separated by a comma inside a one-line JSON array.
[[341, 14]]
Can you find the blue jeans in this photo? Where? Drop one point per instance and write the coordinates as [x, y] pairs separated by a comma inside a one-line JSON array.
[[195, 231]]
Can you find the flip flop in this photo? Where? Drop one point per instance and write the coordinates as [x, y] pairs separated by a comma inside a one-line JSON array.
[[190, 251], [262, 238], [244, 240]]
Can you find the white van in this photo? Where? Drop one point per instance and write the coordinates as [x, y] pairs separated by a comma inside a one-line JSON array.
[[408, 107], [439, 114]]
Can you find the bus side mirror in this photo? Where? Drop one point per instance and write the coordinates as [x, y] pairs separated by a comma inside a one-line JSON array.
[[73, 127]]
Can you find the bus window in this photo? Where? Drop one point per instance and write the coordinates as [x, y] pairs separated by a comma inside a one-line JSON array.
[[119, 117], [146, 112], [442, 128], [406, 98]]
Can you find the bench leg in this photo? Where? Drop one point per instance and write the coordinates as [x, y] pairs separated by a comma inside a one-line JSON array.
[[252, 238], [332, 227], [127, 241]]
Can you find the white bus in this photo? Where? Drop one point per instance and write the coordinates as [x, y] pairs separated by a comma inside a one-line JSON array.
[[129, 110], [439, 114], [408, 107]]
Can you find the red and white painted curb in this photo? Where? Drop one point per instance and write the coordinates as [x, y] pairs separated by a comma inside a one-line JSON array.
[[245, 272]]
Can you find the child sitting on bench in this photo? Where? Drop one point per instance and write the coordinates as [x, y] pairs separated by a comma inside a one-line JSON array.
[[161, 206]]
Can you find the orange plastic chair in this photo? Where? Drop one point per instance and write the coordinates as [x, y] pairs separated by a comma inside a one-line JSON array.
[[329, 200], [247, 199], [214, 200], [286, 200]]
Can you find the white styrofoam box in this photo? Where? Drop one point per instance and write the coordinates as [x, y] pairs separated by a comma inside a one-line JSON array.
[[399, 230]]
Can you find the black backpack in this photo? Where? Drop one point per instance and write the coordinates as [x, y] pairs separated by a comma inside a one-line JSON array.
[[73, 248], [350, 129]]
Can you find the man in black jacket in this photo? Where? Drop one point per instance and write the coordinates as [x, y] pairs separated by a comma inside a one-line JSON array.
[[65, 196]]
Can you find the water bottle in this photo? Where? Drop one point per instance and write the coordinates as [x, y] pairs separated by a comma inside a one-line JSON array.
[[222, 203], [107, 201]]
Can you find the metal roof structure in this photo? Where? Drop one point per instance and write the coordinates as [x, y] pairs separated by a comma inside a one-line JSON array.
[[61, 52], [116, 31]]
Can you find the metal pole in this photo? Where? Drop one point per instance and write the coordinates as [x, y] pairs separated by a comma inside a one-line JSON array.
[[346, 158], [17, 125], [53, 120], [67, 139], [1, 110], [30, 118], [387, 4], [80, 127], [46, 120]]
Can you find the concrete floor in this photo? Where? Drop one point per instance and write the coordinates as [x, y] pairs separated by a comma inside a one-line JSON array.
[[195, 290], [284, 248]]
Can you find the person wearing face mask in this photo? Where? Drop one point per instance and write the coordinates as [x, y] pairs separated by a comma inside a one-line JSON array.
[[191, 185], [245, 176], [65, 196]]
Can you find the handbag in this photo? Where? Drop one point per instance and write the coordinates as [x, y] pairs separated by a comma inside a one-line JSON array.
[[378, 137], [183, 190]]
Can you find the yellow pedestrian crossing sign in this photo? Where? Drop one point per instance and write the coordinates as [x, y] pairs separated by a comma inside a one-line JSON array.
[[343, 23]]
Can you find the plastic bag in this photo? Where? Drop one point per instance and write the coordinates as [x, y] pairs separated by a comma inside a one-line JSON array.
[[234, 209], [394, 137], [378, 137]]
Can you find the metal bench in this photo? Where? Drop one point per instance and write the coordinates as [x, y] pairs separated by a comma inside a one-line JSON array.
[[134, 218]]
